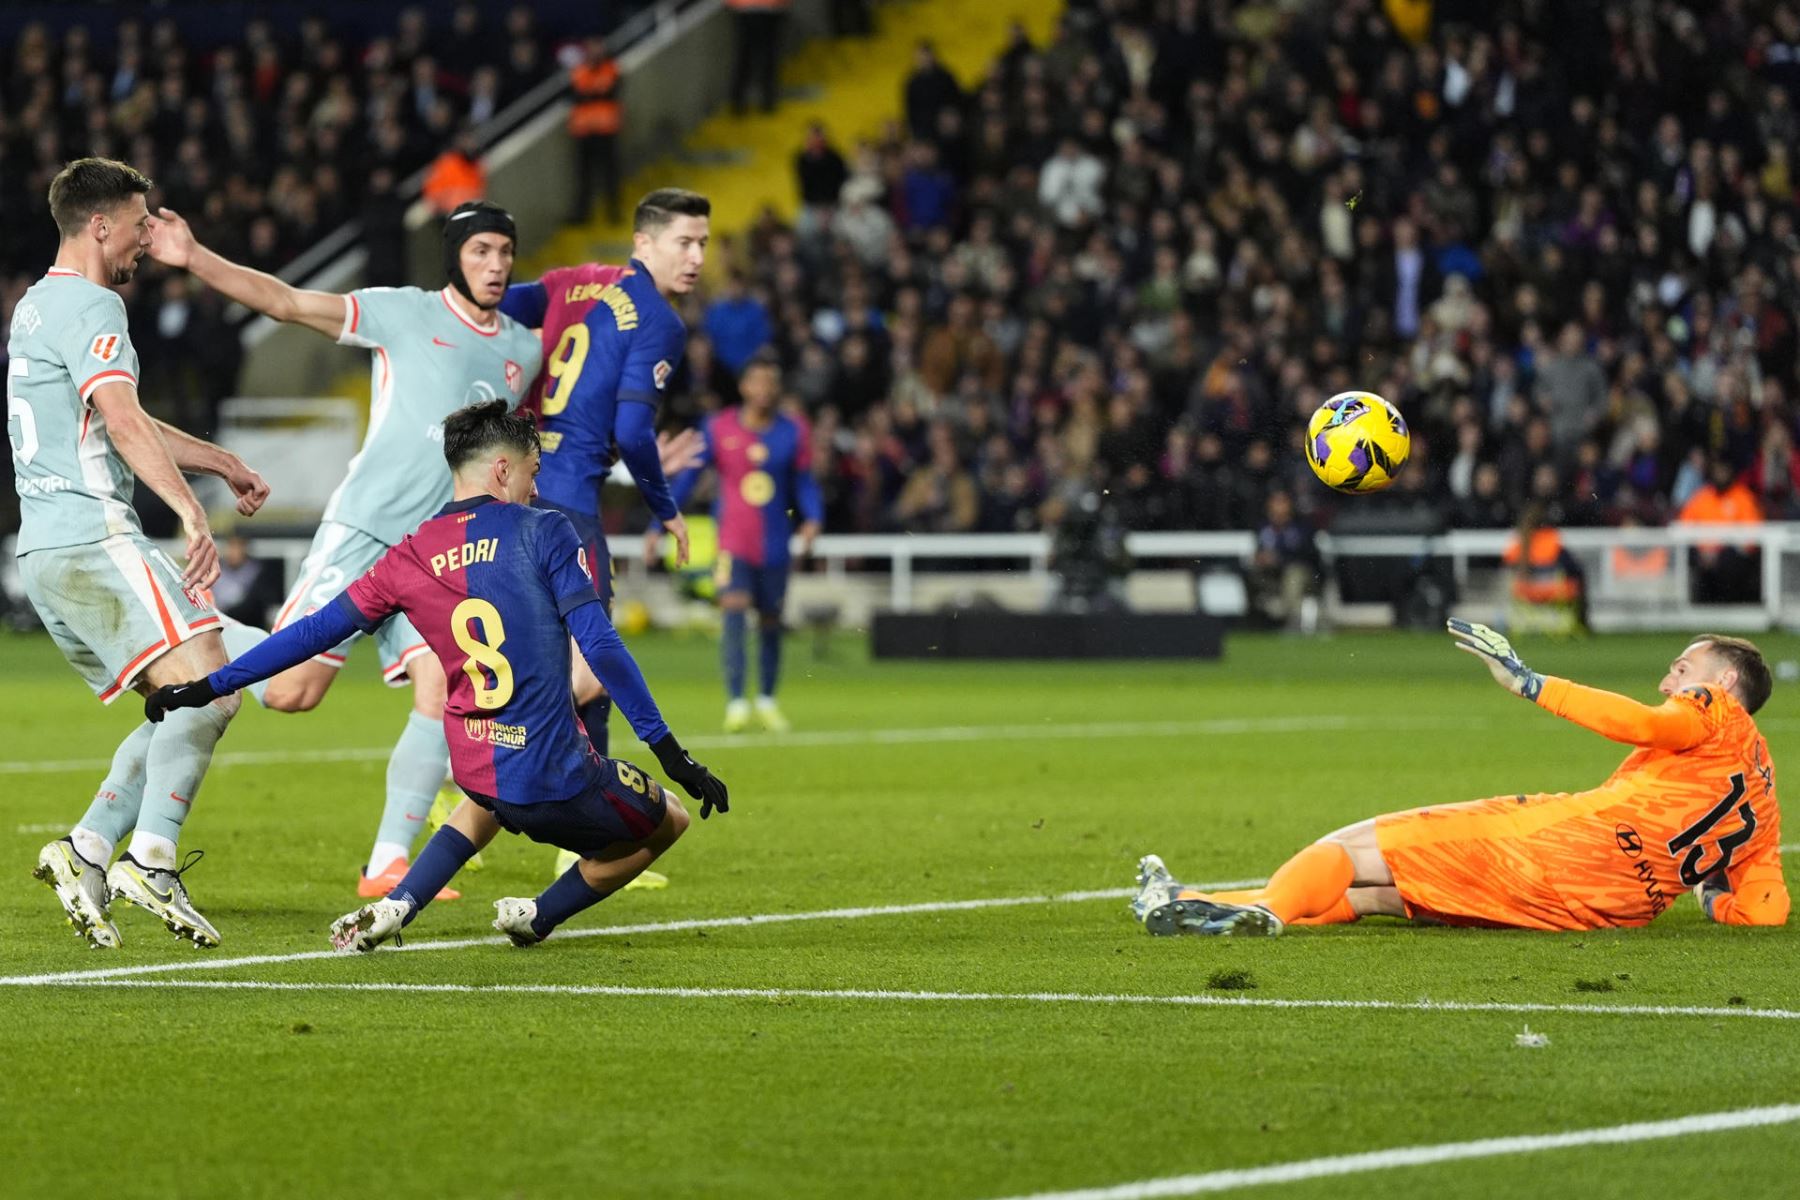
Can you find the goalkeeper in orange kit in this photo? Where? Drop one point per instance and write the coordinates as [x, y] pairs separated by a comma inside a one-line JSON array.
[[1692, 807]]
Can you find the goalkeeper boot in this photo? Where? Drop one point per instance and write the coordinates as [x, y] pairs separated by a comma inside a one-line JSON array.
[[737, 716], [770, 715], [1155, 885], [448, 799], [369, 926], [80, 886], [513, 916], [160, 892], [1210, 918]]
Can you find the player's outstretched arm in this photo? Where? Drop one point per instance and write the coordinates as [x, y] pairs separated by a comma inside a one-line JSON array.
[[199, 456], [1675, 724], [140, 442], [1497, 654], [635, 428], [614, 667], [173, 244], [288, 647]]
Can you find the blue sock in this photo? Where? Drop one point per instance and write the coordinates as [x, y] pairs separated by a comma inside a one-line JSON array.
[[768, 656], [731, 646], [442, 857], [569, 895], [593, 716]]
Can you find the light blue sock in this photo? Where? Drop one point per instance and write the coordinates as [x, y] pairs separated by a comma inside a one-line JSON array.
[[115, 808], [415, 772], [180, 751], [238, 640], [731, 648]]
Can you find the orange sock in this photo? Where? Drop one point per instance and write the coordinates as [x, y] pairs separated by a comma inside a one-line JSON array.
[[1310, 884], [1341, 913]]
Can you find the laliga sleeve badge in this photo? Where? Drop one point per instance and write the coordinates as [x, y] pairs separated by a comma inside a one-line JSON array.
[[105, 348], [661, 372], [515, 377]]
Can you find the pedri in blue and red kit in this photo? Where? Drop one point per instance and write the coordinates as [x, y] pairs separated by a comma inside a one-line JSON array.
[[764, 476], [610, 342], [496, 590]]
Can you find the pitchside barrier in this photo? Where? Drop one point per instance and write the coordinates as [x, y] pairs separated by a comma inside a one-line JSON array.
[[1634, 578]]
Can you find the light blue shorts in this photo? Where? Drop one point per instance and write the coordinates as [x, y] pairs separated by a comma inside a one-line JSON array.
[[113, 607], [337, 558]]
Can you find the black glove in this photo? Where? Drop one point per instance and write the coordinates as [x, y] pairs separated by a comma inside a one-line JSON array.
[[166, 699], [694, 779]]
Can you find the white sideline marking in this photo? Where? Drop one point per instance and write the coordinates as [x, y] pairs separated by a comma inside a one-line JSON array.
[[907, 996], [1415, 1156], [827, 914], [1223, 726]]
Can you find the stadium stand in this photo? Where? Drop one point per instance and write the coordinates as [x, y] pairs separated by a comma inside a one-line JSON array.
[[1133, 256]]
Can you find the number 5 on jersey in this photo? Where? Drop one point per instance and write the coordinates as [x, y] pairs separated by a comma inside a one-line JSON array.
[[483, 650], [18, 410]]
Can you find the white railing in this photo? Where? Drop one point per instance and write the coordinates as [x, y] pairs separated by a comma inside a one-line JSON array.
[[1662, 599]]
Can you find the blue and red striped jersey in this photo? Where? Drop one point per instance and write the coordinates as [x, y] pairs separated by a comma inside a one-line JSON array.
[[764, 475]]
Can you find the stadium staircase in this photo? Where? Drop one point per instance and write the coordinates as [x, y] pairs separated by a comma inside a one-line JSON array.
[[853, 85]]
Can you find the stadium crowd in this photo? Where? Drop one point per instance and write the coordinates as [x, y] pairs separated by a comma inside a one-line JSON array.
[[1130, 262], [1560, 237]]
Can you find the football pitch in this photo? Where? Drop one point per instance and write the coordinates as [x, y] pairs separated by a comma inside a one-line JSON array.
[[901, 966]]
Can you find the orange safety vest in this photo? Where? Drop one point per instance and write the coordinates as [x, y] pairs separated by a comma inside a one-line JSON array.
[[452, 180], [596, 112], [1544, 581], [1650, 563]]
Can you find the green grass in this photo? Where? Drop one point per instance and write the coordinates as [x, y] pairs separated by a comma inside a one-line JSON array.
[[159, 1090]]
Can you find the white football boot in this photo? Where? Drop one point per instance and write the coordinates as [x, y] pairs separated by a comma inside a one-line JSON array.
[[80, 886], [369, 926], [513, 916], [160, 892]]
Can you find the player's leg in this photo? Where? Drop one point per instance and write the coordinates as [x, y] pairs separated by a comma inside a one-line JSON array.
[[1311, 887], [337, 556], [733, 578], [419, 762], [770, 584], [592, 879], [469, 828], [175, 765]]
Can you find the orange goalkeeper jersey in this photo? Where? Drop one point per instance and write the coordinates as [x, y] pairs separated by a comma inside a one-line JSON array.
[[1696, 799]]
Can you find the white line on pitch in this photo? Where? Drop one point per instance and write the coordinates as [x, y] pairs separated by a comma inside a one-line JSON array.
[[908, 996], [1416, 1156], [827, 914], [1221, 727]]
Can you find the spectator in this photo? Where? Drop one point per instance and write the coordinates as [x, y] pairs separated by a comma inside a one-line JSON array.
[[757, 27], [940, 495], [594, 122], [738, 324], [1572, 388], [1724, 574], [1285, 571], [821, 173], [930, 89], [248, 589], [456, 176], [1069, 187]]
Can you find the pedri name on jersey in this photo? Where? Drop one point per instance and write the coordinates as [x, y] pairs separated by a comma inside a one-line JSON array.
[[458, 557]]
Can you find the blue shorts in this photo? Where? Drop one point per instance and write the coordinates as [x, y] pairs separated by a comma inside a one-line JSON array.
[[593, 540], [767, 586], [623, 804]]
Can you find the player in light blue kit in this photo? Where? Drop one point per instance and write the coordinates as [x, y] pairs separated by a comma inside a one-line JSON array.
[[432, 353], [122, 614]]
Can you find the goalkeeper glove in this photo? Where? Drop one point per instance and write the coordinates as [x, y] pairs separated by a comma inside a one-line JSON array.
[[1501, 659], [166, 699], [1710, 889], [694, 779]]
